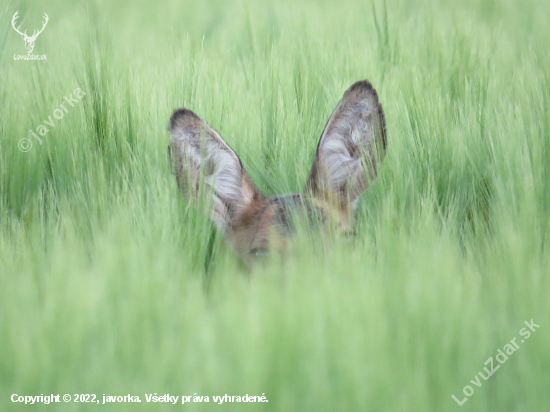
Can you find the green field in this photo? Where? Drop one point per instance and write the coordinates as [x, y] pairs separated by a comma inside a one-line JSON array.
[[112, 283]]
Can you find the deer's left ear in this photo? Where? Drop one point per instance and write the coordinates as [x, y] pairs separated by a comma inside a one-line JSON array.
[[351, 145], [199, 156]]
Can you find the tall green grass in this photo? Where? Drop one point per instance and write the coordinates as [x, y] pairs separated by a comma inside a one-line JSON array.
[[111, 283]]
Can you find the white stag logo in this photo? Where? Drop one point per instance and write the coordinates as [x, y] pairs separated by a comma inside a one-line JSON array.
[[29, 40]]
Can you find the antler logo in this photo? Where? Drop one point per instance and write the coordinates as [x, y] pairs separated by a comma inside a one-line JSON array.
[[29, 40]]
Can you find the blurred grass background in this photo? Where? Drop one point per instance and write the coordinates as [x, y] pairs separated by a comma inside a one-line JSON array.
[[103, 287]]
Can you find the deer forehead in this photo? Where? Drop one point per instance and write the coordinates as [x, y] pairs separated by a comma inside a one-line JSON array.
[[279, 213]]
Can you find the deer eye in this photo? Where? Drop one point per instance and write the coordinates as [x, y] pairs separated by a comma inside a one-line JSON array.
[[260, 252], [349, 236]]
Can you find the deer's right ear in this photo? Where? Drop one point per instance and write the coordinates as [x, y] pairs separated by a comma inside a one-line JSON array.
[[199, 156], [350, 148]]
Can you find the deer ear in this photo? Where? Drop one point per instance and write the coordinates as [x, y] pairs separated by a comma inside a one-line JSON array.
[[351, 145], [199, 156]]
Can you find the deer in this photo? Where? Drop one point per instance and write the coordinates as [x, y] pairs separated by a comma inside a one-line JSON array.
[[29, 40], [350, 149]]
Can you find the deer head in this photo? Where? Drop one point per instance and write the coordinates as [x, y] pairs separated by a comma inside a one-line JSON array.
[[29, 40], [349, 151]]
